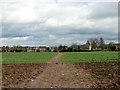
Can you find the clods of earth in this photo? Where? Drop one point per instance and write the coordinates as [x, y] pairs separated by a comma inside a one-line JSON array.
[[103, 74], [18, 75]]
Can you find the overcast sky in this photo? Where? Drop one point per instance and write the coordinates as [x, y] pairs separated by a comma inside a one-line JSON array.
[[55, 22]]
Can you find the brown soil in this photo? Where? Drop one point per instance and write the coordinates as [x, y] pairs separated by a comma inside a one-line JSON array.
[[17, 75], [105, 74], [55, 74]]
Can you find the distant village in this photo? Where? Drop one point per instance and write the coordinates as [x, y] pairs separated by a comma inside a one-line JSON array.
[[90, 45]]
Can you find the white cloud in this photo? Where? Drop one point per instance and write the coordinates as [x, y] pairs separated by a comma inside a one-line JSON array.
[[52, 37], [20, 38], [13, 40], [60, 21]]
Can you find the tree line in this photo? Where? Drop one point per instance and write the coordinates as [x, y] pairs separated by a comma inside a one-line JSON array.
[[92, 44]]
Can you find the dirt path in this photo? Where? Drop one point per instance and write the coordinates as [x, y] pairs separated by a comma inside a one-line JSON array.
[[55, 59], [61, 75]]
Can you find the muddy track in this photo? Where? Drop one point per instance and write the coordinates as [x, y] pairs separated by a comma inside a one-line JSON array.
[[59, 75], [56, 58]]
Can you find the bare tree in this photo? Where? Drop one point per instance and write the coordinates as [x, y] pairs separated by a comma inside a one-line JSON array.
[[88, 44], [94, 45], [102, 43]]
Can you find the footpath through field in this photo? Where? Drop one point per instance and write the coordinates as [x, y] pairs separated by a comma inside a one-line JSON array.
[[61, 75]]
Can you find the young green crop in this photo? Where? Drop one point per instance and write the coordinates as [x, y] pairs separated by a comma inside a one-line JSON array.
[[42, 57], [26, 57], [90, 57]]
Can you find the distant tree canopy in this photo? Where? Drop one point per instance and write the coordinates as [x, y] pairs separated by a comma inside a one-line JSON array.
[[92, 44], [112, 46], [102, 43], [62, 48], [95, 43]]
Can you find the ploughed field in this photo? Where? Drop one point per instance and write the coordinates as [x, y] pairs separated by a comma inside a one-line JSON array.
[[103, 74], [18, 75], [20, 68]]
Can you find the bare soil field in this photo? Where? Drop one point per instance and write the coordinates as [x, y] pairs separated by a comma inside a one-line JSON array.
[[104, 74], [18, 75], [55, 74]]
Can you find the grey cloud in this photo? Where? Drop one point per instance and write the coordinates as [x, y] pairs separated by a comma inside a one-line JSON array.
[[39, 33], [64, 35], [103, 10]]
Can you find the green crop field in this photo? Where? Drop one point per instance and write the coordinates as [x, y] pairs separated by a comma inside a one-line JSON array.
[[42, 57], [89, 57], [26, 57]]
